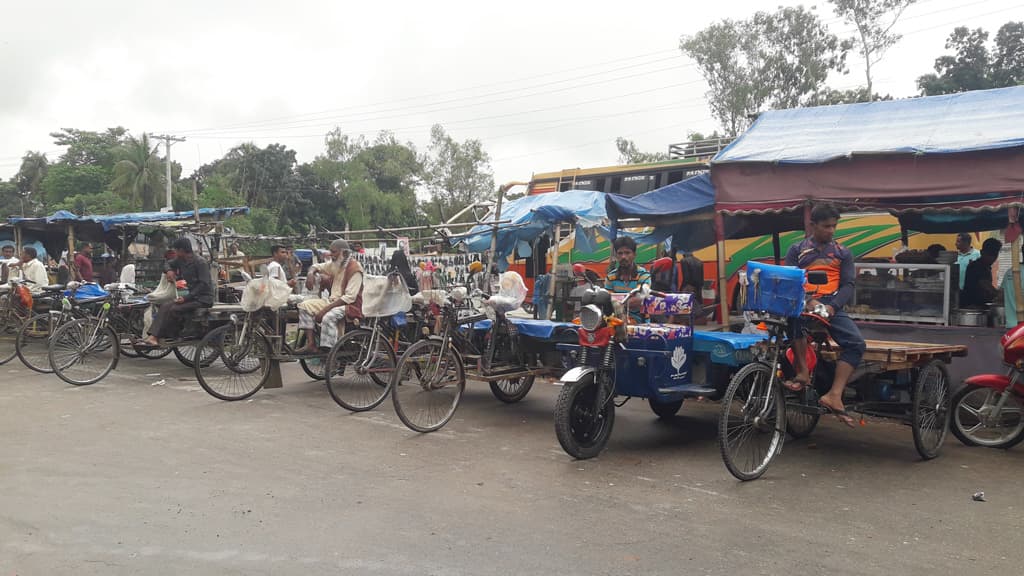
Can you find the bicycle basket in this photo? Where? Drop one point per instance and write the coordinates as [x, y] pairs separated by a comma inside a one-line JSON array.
[[775, 289]]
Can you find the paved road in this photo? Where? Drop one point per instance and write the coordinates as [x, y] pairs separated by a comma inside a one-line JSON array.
[[124, 477]]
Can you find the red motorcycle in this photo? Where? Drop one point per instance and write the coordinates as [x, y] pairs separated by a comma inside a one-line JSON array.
[[989, 409]]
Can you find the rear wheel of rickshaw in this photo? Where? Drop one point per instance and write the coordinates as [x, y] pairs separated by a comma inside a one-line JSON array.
[[238, 366], [359, 378], [932, 398], [427, 385], [512, 390], [664, 409], [975, 423], [186, 354], [33, 344], [83, 351], [583, 428], [752, 425], [9, 325]]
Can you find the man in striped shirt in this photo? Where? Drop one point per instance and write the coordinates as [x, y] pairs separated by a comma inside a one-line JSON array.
[[627, 275]]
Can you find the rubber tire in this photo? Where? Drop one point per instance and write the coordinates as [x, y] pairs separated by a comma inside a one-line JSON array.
[[962, 436], [572, 393], [922, 444], [189, 361], [523, 388], [665, 410], [206, 342], [41, 369], [385, 386], [799, 424], [68, 326], [314, 374], [723, 420], [461, 370], [9, 322]]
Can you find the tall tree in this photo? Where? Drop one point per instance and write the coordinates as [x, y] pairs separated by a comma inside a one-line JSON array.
[[88, 148], [776, 59], [62, 181], [1008, 64], [139, 173], [457, 174], [874, 20], [29, 179], [630, 154], [969, 69]]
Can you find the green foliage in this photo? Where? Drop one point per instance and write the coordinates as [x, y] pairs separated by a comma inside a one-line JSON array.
[[29, 180], [10, 200], [874, 20], [63, 181], [97, 203], [139, 173], [777, 59], [829, 96], [630, 154], [87, 148], [973, 66], [457, 174]]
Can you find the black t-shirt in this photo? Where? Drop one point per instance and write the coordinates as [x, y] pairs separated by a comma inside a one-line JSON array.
[[978, 289]]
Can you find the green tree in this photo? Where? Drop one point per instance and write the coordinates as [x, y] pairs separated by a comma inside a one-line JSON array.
[[457, 174], [88, 148], [969, 69], [139, 173], [98, 203], [11, 202], [63, 180], [874, 20], [630, 154], [828, 97], [1008, 64], [777, 59], [29, 179]]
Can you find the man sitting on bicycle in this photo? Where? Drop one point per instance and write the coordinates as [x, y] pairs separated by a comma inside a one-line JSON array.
[[195, 271], [32, 269], [820, 251], [345, 300]]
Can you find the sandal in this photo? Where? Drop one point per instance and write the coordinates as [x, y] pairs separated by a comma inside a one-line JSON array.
[[796, 384], [841, 415]]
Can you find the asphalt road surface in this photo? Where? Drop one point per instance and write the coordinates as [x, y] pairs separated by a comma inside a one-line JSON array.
[[129, 477]]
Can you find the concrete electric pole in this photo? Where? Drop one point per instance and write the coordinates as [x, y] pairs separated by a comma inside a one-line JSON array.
[[167, 144]]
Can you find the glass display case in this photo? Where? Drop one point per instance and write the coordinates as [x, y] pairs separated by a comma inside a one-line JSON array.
[[917, 293]]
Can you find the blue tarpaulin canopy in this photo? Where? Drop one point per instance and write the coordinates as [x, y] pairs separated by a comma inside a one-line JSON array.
[[130, 218], [683, 210]]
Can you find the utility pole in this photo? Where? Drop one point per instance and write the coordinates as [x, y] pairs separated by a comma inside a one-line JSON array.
[[167, 144]]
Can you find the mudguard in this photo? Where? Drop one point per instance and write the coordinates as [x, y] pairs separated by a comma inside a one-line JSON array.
[[577, 374], [995, 381]]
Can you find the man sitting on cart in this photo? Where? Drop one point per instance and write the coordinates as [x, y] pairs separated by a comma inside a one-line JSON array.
[[820, 251], [627, 275], [195, 271], [345, 300]]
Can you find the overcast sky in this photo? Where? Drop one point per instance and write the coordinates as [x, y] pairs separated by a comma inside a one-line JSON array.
[[545, 85]]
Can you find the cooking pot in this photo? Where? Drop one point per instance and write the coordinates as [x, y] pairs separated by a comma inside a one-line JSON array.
[[997, 314], [971, 318]]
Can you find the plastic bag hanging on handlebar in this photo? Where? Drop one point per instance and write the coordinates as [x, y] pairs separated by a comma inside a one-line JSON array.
[[265, 292]]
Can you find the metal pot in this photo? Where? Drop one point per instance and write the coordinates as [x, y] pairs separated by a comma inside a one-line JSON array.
[[972, 318], [997, 315]]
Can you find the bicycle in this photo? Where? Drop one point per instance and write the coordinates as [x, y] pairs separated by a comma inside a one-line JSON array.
[[15, 309]]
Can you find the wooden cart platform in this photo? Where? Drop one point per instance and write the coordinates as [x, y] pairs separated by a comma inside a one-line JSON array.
[[898, 355]]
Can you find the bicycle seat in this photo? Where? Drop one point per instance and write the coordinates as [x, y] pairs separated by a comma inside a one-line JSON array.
[[53, 288]]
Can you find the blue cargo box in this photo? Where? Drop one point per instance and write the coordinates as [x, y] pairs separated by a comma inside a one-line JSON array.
[[775, 289]]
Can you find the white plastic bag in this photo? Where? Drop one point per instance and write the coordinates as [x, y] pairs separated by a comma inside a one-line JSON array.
[[511, 293], [165, 292], [265, 293], [385, 296]]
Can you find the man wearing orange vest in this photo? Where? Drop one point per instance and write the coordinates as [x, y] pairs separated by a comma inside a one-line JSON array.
[[819, 251]]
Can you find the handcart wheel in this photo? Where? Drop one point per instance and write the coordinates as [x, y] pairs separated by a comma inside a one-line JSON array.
[[665, 409], [314, 367], [581, 427], [9, 325], [931, 407], [126, 337], [239, 365], [752, 425], [802, 413], [359, 378], [512, 390], [186, 354], [83, 352], [976, 423], [427, 385], [33, 344]]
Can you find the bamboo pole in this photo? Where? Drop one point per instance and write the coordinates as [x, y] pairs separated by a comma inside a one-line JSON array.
[[723, 286]]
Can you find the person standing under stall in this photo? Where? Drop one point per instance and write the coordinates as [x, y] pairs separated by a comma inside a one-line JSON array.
[[83, 263], [819, 251], [195, 271], [6, 260], [978, 288], [965, 254]]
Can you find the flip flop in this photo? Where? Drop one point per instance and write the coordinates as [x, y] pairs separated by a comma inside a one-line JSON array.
[[796, 384], [841, 415]]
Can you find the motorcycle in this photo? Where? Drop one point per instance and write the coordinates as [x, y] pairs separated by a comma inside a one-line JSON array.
[[989, 409]]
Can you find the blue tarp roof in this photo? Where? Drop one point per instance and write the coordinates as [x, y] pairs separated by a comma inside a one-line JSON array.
[[672, 202], [113, 220], [964, 122]]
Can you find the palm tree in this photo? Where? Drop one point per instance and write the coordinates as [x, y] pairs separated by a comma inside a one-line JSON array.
[[139, 172], [34, 167]]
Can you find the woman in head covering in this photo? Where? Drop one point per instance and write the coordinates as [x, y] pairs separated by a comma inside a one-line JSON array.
[[400, 263]]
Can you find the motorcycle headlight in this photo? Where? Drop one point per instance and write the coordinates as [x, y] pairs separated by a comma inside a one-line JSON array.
[[590, 317]]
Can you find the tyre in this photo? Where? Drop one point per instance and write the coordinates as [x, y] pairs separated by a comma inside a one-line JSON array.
[[664, 409], [152, 353], [427, 385], [974, 421], [512, 390], [10, 323], [33, 343], [931, 409], [358, 377], [802, 413], [83, 352], [313, 367], [186, 354], [752, 425], [581, 427], [237, 367]]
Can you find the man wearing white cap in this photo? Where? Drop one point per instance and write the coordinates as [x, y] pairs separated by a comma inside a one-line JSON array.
[[345, 300]]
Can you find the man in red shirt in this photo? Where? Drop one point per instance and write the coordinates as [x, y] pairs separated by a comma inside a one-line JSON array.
[[83, 263]]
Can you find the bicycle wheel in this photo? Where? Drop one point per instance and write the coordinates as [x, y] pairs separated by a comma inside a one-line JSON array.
[[512, 390], [83, 352], [752, 425], [238, 366], [10, 323], [125, 336], [33, 343], [186, 354], [931, 409], [359, 378], [976, 423], [427, 385]]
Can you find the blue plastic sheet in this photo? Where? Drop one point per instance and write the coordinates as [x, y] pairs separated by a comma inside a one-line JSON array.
[[540, 329]]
